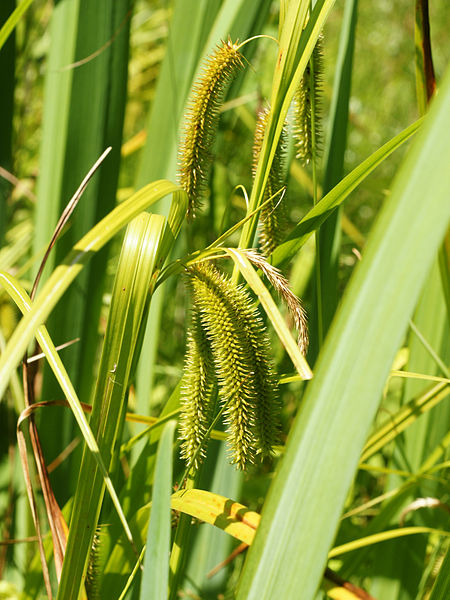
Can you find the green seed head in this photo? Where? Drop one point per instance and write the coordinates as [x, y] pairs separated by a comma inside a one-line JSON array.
[[197, 394], [200, 129], [240, 350], [308, 105], [273, 216]]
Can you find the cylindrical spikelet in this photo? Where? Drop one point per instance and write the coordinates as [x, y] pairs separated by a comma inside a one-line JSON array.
[[273, 217], [206, 98], [240, 350], [197, 394], [309, 93], [94, 569]]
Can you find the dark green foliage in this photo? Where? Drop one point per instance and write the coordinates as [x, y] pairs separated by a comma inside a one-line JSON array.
[[7, 57], [324, 492]]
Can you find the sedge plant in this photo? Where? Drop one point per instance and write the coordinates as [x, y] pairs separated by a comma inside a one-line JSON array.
[[200, 368]]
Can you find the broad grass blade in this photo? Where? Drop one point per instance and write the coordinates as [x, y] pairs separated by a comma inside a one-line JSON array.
[[301, 513], [319, 213], [136, 265], [155, 577], [85, 93], [64, 275], [329, 235]]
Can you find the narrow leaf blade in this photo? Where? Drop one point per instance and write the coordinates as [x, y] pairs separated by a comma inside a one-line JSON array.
[[155, 578]]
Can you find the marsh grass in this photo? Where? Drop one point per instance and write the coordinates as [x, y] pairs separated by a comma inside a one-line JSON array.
[[192, 346]]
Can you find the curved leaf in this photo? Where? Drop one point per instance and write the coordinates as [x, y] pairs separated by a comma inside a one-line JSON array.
[[321, 211], [65, 273], [233, 518], [306, 497]]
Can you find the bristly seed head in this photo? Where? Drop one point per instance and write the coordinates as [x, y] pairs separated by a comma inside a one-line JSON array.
[[197, 394], [273, 216], [240, 350], [206, 98], [309, 91]]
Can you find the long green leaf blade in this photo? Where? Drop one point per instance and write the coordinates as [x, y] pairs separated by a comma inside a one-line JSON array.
[[272, 311], [329, 235], [13, 19], [85, 94], [65, 273], [155, 578], [320, 212], [295, 49], [306, 498], [136, 265]]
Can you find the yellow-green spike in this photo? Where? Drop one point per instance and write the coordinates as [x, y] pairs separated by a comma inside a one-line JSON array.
[[197, 394], [206, 98], [241, 351], [308, 93], [273, 215]]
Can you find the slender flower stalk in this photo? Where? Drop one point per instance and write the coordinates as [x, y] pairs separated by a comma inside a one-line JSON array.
[[293, 304]]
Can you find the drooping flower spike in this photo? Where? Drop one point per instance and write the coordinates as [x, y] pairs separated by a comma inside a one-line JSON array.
[[245, 375], [307, 134], [200, 128], [273, 218]]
